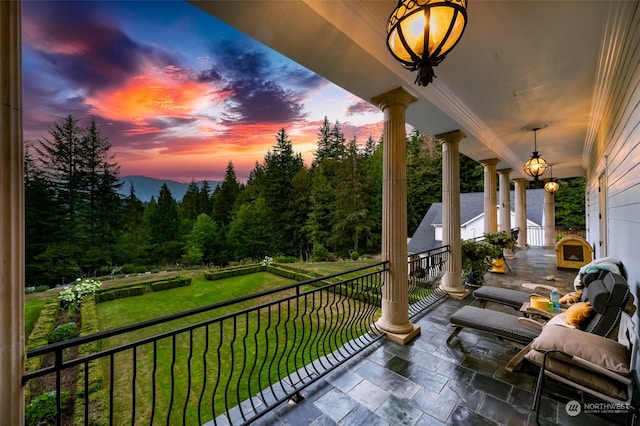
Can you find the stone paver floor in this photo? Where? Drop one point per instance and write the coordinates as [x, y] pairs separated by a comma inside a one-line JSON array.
[[428, 382]]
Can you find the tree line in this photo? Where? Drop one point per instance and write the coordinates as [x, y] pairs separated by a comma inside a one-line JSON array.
[[78, 224]]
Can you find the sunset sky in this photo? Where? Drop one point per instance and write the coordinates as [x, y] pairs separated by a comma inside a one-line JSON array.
[[177, 92]]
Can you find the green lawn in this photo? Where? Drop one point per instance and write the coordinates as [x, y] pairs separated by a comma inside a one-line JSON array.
[[328, 268], [214, 346]]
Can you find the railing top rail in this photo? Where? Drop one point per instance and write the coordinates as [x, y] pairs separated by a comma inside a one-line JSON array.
[[431, 251], [167, 318]]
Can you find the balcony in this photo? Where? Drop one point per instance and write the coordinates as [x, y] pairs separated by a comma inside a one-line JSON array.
[[356, 379]]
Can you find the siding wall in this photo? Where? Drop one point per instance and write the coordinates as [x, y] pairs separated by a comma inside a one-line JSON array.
[[612, 148], [613, 145]]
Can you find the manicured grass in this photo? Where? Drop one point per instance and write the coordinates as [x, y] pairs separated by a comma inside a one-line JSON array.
[[191, 353], [32, 310], [328, 268]]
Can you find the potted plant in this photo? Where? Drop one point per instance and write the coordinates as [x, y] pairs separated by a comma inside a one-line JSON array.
[[502, 239], [506, 241], [477, 258]]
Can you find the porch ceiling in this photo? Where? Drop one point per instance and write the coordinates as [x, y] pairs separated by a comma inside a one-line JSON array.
[[519, 64]]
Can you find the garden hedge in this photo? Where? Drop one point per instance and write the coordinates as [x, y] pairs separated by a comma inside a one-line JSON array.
[[39, 336], [139, 289], [98, 408], [233, 272]]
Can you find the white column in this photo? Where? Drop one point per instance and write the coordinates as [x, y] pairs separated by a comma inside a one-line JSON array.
[[549, 220], [11, 217], [504, 224], [395, 291], [452, 278], [490, 199], [521, 210], [505, 200]]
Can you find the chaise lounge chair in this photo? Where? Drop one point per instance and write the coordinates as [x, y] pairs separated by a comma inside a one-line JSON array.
[[608, 297], [594, 270], [599, 366]]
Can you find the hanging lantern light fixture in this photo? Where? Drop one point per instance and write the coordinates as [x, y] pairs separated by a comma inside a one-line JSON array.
[[420, 33], [552, 184], [536, 166]]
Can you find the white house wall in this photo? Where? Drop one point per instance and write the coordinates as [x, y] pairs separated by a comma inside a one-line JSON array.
[[613, 148], [615, 151]]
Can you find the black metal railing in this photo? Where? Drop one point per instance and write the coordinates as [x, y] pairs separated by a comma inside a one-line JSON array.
[[425, 270], [230, 362], [220, 367]]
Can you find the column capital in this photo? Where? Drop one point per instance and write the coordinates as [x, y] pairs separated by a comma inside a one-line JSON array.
[[489, 161], [505, 171], [452, 136], [395, 97], [520, 180]]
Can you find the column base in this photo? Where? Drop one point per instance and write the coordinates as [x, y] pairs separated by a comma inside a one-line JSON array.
[[401, 338], [456, 293]]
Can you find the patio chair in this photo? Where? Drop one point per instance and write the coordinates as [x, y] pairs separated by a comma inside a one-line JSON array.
[[598, 366], [608, 298], [595, 270]]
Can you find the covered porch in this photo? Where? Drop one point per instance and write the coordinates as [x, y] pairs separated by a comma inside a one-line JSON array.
[[428, 382], [424, 381]]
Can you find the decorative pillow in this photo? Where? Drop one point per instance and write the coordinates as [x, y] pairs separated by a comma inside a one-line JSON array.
[[606, 353], [571, 298], [560, 320], [578, 314]]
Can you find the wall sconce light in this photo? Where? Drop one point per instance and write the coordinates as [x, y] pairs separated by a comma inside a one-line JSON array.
[[536, 166], [552, 184], [420, 33]]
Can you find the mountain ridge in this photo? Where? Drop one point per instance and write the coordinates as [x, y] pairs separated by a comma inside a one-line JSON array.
[[146, 187]]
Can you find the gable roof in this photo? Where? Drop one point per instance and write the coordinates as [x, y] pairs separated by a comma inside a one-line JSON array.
[[471, 206]]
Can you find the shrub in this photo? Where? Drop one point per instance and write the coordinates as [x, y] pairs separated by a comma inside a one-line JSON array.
[[319, 253], [355, 255], [63, 332], [232, 272], [286, 259], [41, 288], [120, 293], [71, 298], [267, 261], [166, 285], [128, 268], [42, 409]]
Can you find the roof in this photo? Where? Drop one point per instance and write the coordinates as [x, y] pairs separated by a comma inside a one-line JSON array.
[[471, 206]]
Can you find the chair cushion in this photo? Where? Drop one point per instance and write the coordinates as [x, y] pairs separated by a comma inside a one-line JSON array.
[[578, 314], [499, 324], [503, 296], [608, 298], [580, 375], [606, 353]]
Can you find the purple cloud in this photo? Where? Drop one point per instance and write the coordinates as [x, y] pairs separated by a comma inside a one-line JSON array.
[[361, 108], [82, 46], [257, 94]]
